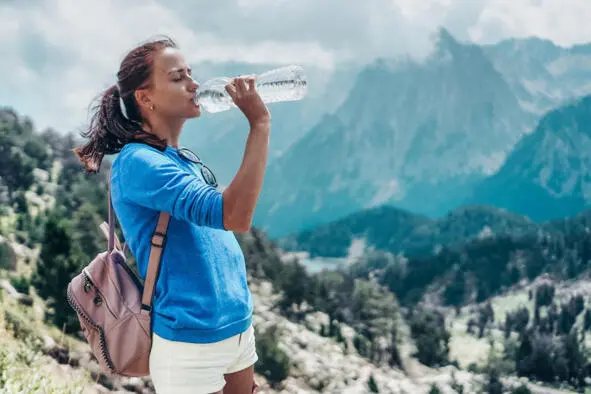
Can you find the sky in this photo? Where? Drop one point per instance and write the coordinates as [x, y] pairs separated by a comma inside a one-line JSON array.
[[57, 55]]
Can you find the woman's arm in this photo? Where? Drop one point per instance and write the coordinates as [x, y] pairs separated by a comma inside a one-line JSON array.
[[241, 195]]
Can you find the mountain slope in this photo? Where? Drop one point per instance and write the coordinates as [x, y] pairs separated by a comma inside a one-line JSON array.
[[348, 356], [548, 175], [542, 74], [390, 229], [416, 135]]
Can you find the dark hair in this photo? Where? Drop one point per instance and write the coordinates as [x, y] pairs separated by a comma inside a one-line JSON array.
[[110, 129]]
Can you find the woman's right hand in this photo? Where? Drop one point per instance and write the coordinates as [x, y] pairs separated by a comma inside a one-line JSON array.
[[247, 99]]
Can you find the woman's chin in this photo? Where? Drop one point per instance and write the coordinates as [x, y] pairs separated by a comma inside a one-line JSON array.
[[195, 112]]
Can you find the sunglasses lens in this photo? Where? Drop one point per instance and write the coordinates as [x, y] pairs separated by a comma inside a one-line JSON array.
[[205, 172], [208, 176], [189, 155]]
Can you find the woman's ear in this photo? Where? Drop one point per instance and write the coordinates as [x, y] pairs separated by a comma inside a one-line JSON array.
[[142, 97]]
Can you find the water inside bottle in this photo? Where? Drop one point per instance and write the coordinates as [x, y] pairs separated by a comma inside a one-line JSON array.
[[282, 84], [213, 97], [272, 91]]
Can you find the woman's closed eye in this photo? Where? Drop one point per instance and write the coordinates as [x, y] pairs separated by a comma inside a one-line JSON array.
[[179, 78]]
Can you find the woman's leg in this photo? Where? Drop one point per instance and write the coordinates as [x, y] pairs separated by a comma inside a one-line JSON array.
[[241, 382], [239, 375]]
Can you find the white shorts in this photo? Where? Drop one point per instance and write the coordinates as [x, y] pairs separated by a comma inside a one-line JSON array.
[[199, 368]]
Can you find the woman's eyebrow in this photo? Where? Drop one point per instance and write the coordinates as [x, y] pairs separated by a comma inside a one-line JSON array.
[[180, 69]]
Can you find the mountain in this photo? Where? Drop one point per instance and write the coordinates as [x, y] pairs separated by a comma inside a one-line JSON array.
[[542, 74], [412, 134], [219, 138], [390, 229], [484, 267], [548, 174], [328, 333]]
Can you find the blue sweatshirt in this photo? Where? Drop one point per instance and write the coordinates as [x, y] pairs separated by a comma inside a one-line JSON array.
[[201, 295]]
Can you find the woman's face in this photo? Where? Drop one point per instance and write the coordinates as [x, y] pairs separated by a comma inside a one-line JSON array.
[[172, 89]]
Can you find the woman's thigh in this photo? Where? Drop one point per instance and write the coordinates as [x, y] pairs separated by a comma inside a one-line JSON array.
[[240, 382]]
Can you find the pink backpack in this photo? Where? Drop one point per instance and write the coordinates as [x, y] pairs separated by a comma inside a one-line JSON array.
[[113, 306]]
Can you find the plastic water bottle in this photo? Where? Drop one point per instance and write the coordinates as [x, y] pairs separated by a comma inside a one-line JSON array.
[[281, 84]]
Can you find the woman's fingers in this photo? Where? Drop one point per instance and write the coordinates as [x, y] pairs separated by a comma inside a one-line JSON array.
[[240, 86], [251, 83], [231, 88]]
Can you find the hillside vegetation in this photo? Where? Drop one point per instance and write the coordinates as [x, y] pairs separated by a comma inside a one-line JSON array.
[[376, 314]]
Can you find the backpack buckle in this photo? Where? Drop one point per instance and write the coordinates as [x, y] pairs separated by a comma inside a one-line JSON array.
[[162, 236]]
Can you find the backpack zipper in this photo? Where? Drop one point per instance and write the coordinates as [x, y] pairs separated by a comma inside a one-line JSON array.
[[98, 299], [102, 342], [133, 276]]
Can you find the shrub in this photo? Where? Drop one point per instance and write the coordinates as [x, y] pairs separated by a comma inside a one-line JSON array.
[[274, 363], [372, 385], [523, 389], [434, 389], [20, 284]]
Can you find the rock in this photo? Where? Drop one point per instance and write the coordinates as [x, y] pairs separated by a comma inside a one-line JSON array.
[[26, 300], [10, 290], [60, 354], [9, 255], [149, 386], [48, 343], [135, 385], [41, 175], [74, 359], [95, 389], [100, 377], [313, 321]]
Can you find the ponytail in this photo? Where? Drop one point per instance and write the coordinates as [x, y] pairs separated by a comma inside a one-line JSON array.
[[110, 127], [106, 123]]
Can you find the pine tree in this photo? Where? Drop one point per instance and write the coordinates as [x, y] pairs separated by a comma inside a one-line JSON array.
[[58, 263], [431, 337], [86, 233]]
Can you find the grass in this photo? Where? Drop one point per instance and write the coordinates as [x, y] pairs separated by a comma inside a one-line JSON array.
[[23, 366]]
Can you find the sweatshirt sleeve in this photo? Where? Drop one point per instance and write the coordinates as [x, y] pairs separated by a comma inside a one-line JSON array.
[[155, 181]]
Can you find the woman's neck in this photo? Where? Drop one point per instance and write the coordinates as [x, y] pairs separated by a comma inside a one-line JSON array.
[[169, 130]]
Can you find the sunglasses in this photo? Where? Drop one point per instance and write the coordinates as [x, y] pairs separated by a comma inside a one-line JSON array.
[[207, 174]]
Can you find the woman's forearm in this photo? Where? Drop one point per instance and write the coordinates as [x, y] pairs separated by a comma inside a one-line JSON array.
[[241, 195]]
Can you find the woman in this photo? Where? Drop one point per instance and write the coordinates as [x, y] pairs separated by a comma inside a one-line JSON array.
[[203, 338]]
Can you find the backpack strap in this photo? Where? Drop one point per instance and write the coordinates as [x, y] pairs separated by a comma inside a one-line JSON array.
[[109, 228], [112, 239], [158, 241]]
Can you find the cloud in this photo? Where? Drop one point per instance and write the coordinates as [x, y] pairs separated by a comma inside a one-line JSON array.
[[348, 29], [565, 22], [57, 55]]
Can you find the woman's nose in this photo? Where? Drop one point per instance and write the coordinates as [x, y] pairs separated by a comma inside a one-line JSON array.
[[194, 84]]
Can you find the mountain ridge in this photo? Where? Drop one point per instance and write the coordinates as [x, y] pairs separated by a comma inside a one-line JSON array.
[[405, 127], [548, 174], [390, 229]]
